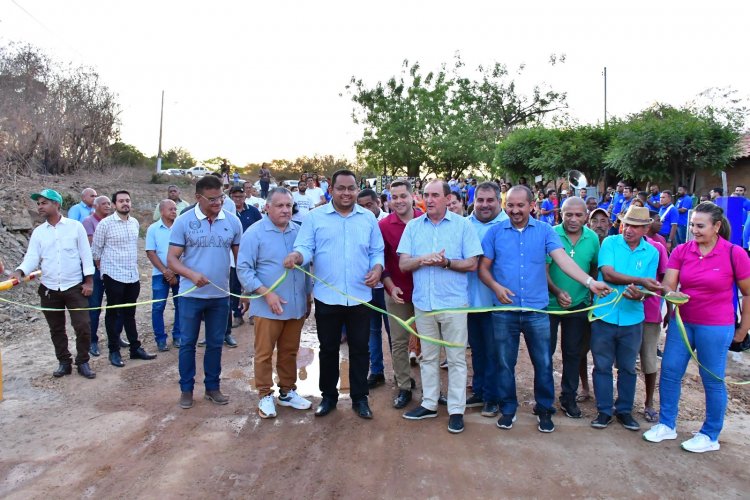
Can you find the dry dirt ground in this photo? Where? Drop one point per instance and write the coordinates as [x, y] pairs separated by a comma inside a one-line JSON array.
[[122, 435]]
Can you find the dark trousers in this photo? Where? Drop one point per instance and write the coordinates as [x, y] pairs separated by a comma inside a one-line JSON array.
[[236, 288], [574, 328], [121, 293], [95, 300], [330, 319], [264, 185], [72, 298]]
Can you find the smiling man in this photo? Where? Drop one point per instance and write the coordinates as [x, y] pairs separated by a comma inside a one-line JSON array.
[[344, 242]]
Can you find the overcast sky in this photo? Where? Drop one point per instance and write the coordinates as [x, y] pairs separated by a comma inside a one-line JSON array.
[[254, 81]]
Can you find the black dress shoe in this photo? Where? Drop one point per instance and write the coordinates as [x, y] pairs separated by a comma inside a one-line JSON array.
[[325, 407], [229, 340], [375, 379], [116, 359], [403, 399], [141, 353], [63, 369], [94, 349], [85, 370], [124, 343], [362, 409]]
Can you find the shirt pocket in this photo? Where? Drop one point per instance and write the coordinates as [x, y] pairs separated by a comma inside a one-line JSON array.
[[69, 246]]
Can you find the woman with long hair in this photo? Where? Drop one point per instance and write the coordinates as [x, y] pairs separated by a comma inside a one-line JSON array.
[[706, 270]]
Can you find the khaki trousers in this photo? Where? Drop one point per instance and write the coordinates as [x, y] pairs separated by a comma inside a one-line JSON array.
[[400, 342], [284, 336]]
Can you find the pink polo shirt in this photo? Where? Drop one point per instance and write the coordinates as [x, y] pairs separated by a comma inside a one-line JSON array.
[[708, 281], [652, 305]]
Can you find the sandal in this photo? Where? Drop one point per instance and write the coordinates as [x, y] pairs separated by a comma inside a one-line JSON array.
[[650, 414]]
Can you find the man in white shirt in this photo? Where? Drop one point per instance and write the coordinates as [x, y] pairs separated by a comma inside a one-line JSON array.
[[60, 247], [304, 202], [115, 252], [251, 197], [315, 192]]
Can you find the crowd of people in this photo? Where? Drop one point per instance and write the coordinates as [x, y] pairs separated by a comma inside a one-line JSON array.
[[414, 252]]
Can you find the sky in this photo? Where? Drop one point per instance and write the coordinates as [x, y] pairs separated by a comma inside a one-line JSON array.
[[256, 81]]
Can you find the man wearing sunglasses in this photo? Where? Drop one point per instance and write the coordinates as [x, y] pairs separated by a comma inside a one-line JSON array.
[[199, 251]]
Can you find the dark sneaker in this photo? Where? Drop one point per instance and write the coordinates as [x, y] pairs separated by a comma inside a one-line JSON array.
[[216, 397], [419, 413], [570, 408], [545, 422], [601, 421], [177, 343], [474, 401], [162, 346], [627, 421], [229, 340], [456, 423], [506, 421], [490, 410], [186, 400], [442, 400], [375, 379]]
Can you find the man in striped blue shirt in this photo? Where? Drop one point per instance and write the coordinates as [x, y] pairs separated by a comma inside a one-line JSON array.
[[440, 248], [344, 243]]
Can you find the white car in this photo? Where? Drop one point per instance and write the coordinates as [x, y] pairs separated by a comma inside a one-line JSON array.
[[197, 171], [291, 184], [174, 171], [270, 186]]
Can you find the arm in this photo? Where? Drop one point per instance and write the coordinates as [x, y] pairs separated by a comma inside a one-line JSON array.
[[570, 268], [175, 264], [87, 263], [376, 257], [563, 297], [485, 275], [742, 330], [610, 275], [97, 242]]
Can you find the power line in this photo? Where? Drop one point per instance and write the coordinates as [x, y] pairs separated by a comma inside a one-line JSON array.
[[46, 28]]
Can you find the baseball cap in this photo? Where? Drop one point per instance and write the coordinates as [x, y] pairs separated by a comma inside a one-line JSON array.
[[50, 194], [598, 210]]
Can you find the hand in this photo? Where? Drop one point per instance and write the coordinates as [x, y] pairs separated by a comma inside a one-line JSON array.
[[599, 288], [174, 281], [665, 323], [16, 275], [168, 275], [244, 305], [739, 335], [564, 299], [632, 292], [373, 277], [87, 289], [434, 259], [651, 285], [199, 280], [2, 266], [396, 294], [274, 303], [504, 295], [293, 259]]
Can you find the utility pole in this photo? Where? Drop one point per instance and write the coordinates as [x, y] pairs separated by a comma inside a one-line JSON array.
[[605, 97], [161, 123]]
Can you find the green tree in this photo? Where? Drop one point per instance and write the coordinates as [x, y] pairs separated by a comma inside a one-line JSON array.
[[126, 154], [179, 157], [667, 144]]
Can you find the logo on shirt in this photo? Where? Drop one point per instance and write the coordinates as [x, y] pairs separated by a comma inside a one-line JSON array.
[[194, 224], [211, 241]]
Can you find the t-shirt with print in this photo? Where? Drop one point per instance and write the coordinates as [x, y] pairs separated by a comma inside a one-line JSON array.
[[206, 249], [305, 203]]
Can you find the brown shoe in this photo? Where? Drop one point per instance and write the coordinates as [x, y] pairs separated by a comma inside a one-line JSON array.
[[186, 400], [216, 397]]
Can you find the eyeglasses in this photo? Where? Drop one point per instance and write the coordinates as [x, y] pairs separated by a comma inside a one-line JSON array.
[[343, 189], [218, 199]]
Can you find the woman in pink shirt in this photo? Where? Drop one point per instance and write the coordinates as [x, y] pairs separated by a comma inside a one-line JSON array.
[[706, 270]]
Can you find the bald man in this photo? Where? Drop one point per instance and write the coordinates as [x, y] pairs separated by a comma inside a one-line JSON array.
[[85, 208]]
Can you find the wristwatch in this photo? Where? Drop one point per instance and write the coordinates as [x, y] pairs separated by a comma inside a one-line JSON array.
[[447, 263], [588, 281]]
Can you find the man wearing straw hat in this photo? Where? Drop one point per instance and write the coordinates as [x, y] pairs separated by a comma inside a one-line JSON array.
[[61, 249], [627, 263]]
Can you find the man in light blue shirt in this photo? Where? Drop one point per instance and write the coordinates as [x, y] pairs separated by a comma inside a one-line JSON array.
[[279, 314], [514, 268], [485, 382], [626, 262], [85, 208], [439, 248], [163, 279], [344, 243]]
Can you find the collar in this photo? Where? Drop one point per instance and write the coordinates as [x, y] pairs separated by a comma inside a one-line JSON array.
[[667, 207], [449, 216], [200, 215], [641, 244], [63, 220], [585, 233], [721, 244], [268, 225], [393, 217], [329, 209], [508, 224], [501, 216], [161, 224]]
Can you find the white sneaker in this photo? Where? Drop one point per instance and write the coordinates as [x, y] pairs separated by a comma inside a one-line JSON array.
[[700, 443], [659, 432], [294, 400], [266, 407], [413, 358]]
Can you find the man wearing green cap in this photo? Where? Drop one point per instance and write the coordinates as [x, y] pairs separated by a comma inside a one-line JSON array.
[[59, 247]]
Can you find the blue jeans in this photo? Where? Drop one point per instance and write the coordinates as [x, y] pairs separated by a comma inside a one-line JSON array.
[[160, 290], [535, 327], [609, 344], [95, 300], [485, 382], [711, 343], [214, 312], [376, 331]]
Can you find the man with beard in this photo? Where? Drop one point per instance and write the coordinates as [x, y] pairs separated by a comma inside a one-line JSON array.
[[115, 251], [582, 244], [342, 229], [173, 193], [60, 248]]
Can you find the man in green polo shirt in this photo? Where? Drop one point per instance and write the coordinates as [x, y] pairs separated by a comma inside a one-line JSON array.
[[565, 293]]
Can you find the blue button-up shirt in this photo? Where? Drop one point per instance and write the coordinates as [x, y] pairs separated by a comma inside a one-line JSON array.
[[479, 294], [641, 262], [80, 211], [260, 262], [519, 260], [157, 239], [343, 250], [436, 287]]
